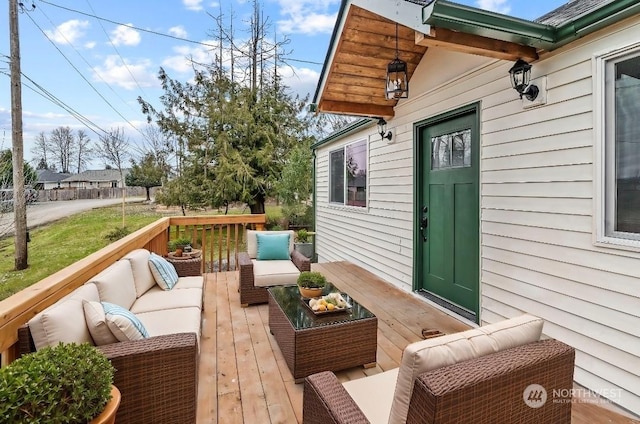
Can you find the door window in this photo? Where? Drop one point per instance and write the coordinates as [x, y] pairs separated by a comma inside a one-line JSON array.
[[452, 150]]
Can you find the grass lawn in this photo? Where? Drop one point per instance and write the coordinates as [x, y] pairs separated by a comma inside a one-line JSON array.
[[59, 244], [64, 242]]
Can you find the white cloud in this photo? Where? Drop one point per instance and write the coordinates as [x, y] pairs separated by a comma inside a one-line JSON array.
[[89, 45], [301, 81], [124, 35], [184, 57], [114, 72], [306, 16], [68, 32], [178, 31], [195, 5], [499, 6]]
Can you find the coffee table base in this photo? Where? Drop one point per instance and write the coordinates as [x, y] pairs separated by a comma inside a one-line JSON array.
[[330, 347]]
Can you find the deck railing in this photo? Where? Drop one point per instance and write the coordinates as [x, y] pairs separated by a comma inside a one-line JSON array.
[[220, 238]]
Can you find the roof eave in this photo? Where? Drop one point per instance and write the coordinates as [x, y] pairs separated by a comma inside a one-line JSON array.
[[345, 131], [604, 16], [471, 20], [330, 50]]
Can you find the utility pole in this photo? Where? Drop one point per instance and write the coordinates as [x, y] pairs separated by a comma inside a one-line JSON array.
[[19, 201]]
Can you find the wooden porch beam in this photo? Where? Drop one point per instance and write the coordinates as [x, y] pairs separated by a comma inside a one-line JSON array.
[[360, 109], [475, 44]]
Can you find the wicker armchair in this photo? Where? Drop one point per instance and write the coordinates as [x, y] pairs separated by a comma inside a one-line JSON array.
[[250, 293], [157, 377], [487, 390]]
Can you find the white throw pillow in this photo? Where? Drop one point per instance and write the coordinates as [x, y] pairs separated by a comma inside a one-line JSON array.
[[163, 272], [123, 323], [97, 323]]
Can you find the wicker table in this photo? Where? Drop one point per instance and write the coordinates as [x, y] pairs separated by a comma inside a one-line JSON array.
[[187, 265], [312, 343]]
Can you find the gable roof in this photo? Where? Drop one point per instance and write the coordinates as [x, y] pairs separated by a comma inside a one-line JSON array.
[[99, 175], [47, 176], [363, 42]]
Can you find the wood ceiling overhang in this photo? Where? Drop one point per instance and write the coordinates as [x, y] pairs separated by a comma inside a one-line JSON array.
[[354, 82], [353, 78]]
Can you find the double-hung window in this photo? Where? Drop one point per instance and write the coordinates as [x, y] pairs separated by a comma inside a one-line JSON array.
[[348, 175], [618, 88]]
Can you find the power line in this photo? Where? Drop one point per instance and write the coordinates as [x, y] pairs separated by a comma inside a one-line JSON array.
[[85, 60], [161, 34], [84, 78], [118, 52], [43, 92]]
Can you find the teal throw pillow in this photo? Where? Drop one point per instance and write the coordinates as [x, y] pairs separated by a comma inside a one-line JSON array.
[[273, 247]]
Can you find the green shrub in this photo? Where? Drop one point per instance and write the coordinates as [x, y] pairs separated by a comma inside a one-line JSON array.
[[69, 383], [303, 236], [117, 233], [311, 280], [179, 242]]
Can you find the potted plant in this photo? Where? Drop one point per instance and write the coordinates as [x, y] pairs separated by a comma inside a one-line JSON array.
[[180, 245], [303, 243], [311, 283], [68, 383]]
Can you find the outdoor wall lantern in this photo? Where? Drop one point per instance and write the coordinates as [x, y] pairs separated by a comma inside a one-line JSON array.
[[382, 130], [397, 81], [520, 76]]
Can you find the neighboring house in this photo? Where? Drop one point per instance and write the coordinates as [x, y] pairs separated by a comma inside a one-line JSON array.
[[101, 178], [487, 204], [49, 179]]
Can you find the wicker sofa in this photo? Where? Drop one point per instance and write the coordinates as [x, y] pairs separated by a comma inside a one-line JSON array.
[[258, 275], [499, 373], [157, 375]]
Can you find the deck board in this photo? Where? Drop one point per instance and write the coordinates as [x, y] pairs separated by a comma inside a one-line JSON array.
[[243, 377]]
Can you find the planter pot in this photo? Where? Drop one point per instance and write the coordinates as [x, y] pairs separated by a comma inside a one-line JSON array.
[[108, 415], [305, 292], [305, 248]]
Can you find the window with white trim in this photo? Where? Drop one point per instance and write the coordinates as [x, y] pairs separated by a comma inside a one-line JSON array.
[[621, 146], [348, 175]]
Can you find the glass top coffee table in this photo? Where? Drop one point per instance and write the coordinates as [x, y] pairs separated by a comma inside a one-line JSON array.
[[313, 343]]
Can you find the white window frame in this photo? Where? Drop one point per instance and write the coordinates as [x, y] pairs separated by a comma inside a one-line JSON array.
[[345, 193], [604, 181]]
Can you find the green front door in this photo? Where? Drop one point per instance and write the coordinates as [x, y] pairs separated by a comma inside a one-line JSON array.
[[447, 211]]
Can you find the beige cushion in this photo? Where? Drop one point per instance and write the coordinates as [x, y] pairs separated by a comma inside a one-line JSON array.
[[252, 241], [64, 320], [274, 273], [97, 323], [115, 284], [157, 299], [437, 352], [374, 394], [142, 277], [172, 321], [193, 282]]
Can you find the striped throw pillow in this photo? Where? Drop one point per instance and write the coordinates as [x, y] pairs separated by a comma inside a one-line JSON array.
[[163, 272], [123, 323]]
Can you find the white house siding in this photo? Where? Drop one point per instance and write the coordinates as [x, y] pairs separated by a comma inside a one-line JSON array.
[[537, 206]]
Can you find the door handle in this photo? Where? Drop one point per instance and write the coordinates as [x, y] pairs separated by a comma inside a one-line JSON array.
[[424, 223]]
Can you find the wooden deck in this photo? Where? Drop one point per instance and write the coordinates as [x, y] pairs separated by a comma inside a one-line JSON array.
[[244, 379]]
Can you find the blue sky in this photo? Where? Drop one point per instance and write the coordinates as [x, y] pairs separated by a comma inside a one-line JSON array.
[[99, 67]]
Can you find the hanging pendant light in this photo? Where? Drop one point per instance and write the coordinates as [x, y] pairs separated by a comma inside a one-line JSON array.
[[397, 81]]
